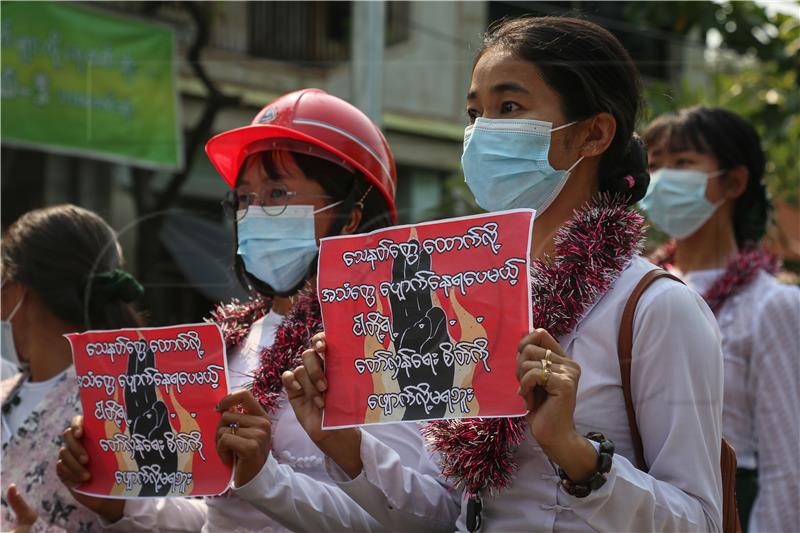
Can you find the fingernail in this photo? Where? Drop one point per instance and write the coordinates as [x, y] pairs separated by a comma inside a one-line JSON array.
[[296, 385], [84, 459], [319, 402], [85, 475], [318, 345], [519, 390], [321, 385]]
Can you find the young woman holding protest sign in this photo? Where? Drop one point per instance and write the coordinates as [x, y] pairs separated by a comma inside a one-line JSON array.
[[309, 165], [552, 108], [61, 274], [707, 193]]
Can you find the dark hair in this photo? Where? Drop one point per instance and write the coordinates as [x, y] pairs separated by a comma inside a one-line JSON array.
[[733, 142], [58, 252], [339, 183], [591, 71]]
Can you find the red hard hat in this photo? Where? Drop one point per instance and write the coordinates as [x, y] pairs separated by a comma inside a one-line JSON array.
[[317, 120]]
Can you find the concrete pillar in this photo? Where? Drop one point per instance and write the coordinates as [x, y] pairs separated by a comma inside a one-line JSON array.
[[367, 57]]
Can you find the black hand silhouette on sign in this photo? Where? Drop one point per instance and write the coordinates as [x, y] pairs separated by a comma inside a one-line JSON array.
[[420, 327], [148, 416]]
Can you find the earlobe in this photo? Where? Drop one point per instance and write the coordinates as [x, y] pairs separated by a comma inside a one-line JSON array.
[[736, 182], [599, 135], [355, 220]]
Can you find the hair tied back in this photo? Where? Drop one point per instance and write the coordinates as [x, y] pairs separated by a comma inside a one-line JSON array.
[[114, 285]]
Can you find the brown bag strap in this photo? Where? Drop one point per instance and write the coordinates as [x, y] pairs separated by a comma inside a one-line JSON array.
[[625, 351]]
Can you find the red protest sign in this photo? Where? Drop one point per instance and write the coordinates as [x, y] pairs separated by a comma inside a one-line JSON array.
[[148, 398], [422, 322]]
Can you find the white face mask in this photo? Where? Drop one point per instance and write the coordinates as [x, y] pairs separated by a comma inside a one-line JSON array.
[[8, 349]]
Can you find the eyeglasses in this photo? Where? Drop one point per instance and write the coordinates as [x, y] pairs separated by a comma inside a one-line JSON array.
[[273, 198]]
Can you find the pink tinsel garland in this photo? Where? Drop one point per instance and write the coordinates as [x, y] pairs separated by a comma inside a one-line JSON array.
[[740, 270], [591, 250]]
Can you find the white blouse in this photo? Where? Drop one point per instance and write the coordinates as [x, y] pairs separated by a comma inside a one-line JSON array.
[[760, 327], [677, 391], [293, 491]]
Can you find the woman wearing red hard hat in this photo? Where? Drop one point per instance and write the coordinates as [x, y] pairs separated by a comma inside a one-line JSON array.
[[307, 153], [310, 165]]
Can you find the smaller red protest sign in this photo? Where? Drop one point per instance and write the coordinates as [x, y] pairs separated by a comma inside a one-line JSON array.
[[423, 321], [148, 398]]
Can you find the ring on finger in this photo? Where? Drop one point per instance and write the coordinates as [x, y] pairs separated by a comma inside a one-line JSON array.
[[233, 427], [546, 364], [545, 376], [547, 355]]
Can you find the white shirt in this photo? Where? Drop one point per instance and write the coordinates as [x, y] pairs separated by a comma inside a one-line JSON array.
[[293, 490], [677, 389], [760, 327], [30, 393], [242, 362]]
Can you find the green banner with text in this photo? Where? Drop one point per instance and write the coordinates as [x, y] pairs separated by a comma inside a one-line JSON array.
[[80, 81]]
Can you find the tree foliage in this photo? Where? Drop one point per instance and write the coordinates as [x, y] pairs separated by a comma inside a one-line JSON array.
[[753, 72], [757, 78]]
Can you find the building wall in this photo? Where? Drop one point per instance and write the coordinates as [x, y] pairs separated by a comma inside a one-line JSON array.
[[424, 78]]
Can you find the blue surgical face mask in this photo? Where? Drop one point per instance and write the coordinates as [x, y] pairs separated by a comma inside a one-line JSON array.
[[676, 200], [506, 167], [11, 363], [278, 249]]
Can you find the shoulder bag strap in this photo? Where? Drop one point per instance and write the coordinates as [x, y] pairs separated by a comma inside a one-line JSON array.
[[624, 351]]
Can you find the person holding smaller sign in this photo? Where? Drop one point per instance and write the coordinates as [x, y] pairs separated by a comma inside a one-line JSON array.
[[707, 193], [552, 108], [62, 272], [310, 165]]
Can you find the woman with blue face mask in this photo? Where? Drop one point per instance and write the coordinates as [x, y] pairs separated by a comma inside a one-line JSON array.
[[552, 106], [310, 165], [707, 193], [61, 273]]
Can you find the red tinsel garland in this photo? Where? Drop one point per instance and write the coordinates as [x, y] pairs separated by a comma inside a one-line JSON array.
[[740, 270], [235, 318], [591, 250], [291, 339]]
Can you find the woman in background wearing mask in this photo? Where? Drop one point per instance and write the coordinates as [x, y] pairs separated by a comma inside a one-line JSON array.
[[552, 108], [707, 193], [61, 274], [310, 165]]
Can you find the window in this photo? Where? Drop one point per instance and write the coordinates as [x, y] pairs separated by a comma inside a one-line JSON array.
[[397, 19], [300, 31], [314, 33]]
